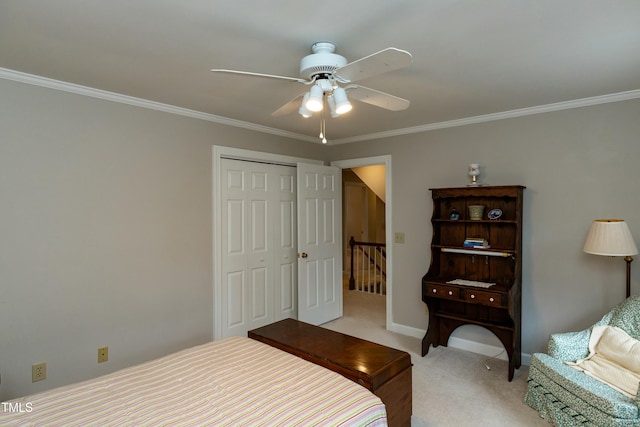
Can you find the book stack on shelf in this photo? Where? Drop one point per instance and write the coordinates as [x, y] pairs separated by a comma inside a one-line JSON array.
[[476, 243]]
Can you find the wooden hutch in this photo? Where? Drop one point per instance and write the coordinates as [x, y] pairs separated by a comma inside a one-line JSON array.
[[458, 257]]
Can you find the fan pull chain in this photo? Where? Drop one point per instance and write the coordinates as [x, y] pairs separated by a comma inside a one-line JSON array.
[[323, 129]]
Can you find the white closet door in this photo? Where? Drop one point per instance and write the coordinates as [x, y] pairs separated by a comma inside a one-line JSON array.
[[319, 243], [286, 231], [258, 217]]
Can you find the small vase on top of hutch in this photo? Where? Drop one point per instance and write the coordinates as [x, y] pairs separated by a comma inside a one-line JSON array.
[[476, 266]]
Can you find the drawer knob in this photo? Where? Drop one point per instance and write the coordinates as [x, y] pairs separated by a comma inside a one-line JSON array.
[[434, 291], [473, 296], [491, 299], [450, 292]]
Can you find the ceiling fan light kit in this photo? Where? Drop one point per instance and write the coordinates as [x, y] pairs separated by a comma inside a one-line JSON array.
[[325, 71], [315, 99], [331, 102], [342, 103], [303, 110]]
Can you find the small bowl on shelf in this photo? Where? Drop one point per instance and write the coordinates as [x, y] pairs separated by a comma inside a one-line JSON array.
[[494, 214]]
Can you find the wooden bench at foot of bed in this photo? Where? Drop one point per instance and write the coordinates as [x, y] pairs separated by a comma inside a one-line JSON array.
[[383, 370]]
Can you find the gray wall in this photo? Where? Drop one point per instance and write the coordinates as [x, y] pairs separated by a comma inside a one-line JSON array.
[[578, 165], [106, 236], [105, 232]]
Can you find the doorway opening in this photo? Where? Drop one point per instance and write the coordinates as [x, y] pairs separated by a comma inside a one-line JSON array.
[[363, 219], [367, 224]]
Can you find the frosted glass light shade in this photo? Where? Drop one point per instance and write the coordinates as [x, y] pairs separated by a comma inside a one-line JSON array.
[[342, 103], [315, 101], [303, 109], [610, 237], [332, 106]]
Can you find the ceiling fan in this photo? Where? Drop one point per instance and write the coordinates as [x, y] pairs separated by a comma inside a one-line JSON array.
[[331, 78]]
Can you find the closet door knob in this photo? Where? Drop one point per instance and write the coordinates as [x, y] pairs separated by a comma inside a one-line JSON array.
[[303, 255]]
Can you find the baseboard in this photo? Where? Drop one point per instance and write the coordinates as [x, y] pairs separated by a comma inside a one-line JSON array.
[[461, 343], [406, 330]]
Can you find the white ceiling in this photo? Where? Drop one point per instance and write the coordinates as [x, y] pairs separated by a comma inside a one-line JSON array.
[[470, 58]]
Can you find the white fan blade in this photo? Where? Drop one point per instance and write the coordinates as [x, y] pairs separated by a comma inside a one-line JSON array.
[[289, 107], [250, 74], [381, 62], [377, 98]]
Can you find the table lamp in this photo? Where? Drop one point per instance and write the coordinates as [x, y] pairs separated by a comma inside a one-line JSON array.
[[474, 173], [611, 237]]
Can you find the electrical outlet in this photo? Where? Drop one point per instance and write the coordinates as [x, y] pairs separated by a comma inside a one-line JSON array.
[[399, 237], [103, 354], [38, 371]]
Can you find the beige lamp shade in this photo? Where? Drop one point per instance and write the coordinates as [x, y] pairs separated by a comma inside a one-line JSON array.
[[610, 237]]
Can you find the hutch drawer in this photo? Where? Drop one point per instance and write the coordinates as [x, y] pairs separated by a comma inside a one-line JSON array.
[[483, 297], [443, 291]]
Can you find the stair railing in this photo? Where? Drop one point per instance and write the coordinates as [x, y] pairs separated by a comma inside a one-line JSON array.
[[368, 267]]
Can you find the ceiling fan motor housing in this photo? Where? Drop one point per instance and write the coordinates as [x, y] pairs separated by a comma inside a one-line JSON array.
[[323, 60]]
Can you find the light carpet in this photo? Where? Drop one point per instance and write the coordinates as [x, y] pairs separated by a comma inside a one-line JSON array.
[[451, 387]]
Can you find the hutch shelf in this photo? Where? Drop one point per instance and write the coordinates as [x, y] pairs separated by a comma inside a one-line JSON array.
[[476, 266]]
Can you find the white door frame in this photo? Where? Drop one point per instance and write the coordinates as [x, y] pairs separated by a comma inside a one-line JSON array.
[[386, 161], [239, 154]]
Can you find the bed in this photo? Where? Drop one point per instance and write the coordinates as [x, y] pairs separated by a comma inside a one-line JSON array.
[[236, 381]]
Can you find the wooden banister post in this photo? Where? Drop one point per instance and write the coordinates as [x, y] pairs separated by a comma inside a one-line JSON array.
[[352, 280]]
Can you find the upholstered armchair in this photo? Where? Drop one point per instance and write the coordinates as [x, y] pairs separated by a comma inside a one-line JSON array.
[[565, 396]]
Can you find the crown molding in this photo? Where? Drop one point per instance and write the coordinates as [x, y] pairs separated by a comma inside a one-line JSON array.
[[18, 76], [529, 111], [144, 103]]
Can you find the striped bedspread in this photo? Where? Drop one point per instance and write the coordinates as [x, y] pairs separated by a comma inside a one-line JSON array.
[[232, 382]]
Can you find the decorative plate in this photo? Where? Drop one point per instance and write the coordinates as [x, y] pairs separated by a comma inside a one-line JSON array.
[[494, 214]]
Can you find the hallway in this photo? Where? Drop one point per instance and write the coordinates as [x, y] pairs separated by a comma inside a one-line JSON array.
[[366, 309]]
